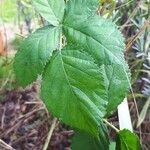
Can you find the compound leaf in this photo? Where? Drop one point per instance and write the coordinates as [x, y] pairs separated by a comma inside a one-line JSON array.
[[73, 89], [83, 83], [51, 10], [34, 53], [126, 140]]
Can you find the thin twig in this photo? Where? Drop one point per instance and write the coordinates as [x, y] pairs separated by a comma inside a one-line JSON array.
[[3, 117], [110, 125], [146, 24], [4, 83], [11, 129], [124, 4], [21, 35], [50, 134], [5, 145], [137, 111], [30, 113], [33, 103], [20, 120], [129, 19], [134, 99], [24, 137]]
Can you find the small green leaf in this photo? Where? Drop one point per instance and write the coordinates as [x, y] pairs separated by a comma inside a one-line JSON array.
[[34, 53], [84, 141], [73, 89], [126, 140], [51, 10]]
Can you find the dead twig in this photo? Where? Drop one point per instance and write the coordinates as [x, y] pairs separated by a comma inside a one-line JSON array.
[[5, 145], [130, 43], [33, 103], [54, 122], [129, 19], [24, 137], [11, 129], [3, 117], [20, 120]]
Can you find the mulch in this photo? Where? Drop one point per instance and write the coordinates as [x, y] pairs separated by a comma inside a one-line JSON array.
[[25, 123]]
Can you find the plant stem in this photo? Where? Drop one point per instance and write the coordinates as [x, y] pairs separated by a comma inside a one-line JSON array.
[[110, 125], [50, 134], [60, 42]]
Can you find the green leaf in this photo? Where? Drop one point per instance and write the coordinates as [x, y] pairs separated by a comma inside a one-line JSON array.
[[126, 140], [34, 53], [73, 89], [100, 37], [51, 10], [81, 7], [85, 141], [102, 40]]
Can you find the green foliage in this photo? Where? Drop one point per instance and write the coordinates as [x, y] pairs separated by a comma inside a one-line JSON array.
[[127, 140], [8, 10], [6, 74], [83, 81], [17, 42], [5, 66], [108, 6]]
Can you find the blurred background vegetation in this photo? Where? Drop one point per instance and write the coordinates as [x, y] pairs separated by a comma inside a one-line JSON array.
[[18, 19]]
